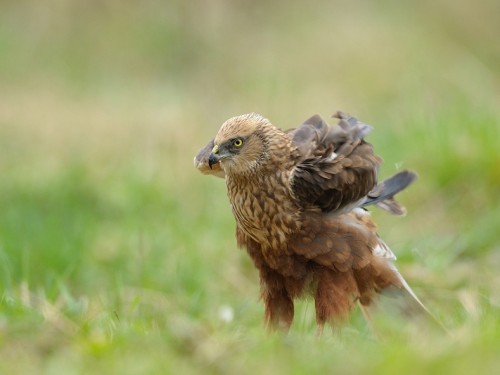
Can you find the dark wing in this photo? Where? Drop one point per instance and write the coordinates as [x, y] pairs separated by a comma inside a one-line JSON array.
[[201, 162], [335, 168], [383, 194]]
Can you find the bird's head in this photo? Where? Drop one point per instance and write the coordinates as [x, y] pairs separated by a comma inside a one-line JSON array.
[[241, 145]]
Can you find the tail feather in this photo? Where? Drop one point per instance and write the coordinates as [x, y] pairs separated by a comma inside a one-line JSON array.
[[413, 305], [400, 296]]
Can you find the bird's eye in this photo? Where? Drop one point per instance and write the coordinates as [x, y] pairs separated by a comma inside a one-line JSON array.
[[238, 142]]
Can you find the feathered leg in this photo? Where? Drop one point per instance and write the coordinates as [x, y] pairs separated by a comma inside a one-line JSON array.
[[278, 300], [334, 297], [279, 309]]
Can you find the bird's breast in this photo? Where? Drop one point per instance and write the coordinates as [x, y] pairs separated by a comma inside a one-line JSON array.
[[264, 209]]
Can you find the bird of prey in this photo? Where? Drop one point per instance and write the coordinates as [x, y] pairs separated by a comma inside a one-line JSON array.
[[299, 198]]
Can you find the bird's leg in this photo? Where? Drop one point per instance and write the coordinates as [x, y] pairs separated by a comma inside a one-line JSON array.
[[279, 305], [333, 298], [279, 309]]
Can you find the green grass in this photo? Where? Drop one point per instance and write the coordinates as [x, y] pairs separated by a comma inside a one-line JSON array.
[[117, 256]]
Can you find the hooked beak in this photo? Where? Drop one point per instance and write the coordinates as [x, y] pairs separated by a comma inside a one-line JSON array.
[[213, 159], [214, 156]]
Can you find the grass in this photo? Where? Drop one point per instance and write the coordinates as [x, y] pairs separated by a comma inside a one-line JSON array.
[[116, 256]]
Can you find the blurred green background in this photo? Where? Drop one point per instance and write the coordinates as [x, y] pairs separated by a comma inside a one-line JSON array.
[[117, 256]]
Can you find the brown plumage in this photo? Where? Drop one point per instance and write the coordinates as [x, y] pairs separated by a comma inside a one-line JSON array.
[[298, 197]]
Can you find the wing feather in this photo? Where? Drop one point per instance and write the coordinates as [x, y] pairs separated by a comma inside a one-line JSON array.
[[336, 167]]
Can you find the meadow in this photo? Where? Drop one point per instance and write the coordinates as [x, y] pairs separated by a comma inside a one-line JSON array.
[[117, 256]]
